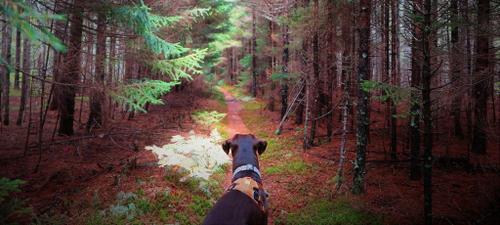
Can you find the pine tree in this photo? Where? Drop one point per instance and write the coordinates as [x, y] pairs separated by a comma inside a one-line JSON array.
[[97, 94], [481, 79], [6, 69], [26, 71], [362, 114], [70, 72]]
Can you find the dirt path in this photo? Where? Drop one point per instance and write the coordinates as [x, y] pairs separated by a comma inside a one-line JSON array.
[[235, 123]]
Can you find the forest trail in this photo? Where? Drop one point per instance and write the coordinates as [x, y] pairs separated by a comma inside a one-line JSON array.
[[235, 124]]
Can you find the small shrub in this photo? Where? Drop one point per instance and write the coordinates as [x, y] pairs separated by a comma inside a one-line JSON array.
[[163, 215], [143, 205], [182, 218], [200, 205], [216, 94], [10, 207]]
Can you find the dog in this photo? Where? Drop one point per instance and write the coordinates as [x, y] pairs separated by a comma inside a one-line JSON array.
[[245, 201]]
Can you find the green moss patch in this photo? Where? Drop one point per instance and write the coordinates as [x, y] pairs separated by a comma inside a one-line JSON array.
[[323, 212], [295, 167]]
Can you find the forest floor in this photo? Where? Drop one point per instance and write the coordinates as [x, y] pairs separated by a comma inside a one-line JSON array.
[[108, 177]]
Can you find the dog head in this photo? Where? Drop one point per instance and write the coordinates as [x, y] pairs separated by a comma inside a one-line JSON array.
[[245, 149]]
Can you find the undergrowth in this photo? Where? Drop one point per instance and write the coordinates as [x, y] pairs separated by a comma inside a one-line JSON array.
[[187, 204], [10, 207], [322, 212], [239, 94], [207, 118], [295, 167], [282, 154]]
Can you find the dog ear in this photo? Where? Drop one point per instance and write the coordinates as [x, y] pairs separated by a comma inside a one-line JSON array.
[[261, 146], [226, 146]]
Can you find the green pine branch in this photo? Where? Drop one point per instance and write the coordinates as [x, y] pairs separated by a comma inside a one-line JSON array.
[[136, 95]]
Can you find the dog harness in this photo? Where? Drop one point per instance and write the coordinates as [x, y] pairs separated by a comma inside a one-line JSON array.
[[250, 187]]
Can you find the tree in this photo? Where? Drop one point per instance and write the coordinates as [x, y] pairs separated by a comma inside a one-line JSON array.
[[97, 95], [318, 83], [284, 70], [60, 27], [426, 108], [70, 72], [363, 123], [5, 70], [332, 67], [414, 121], [481, 77], [394, 75], [455, 69], [26, 72], [17, 59], [254, 56]]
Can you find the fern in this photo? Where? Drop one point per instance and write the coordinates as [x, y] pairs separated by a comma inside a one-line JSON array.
[[137, 94]]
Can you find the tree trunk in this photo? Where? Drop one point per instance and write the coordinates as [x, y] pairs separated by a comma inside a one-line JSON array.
[[340, 170], [299, 113], [272, 86], [481, 78], [254, 56], [71, 75], [129, 60], [284, 84], [112, 61], [386, 67], [414, 122], [5, 71], [230, 65], [24, 84], [318, 83], [60, 32], [455, 69], [363, 123], [18, 59], [97, 93], [347, 52], [394, 75], [426, 111], [332, 69]]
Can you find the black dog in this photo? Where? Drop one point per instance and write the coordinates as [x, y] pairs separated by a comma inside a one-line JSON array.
[[245, 201]]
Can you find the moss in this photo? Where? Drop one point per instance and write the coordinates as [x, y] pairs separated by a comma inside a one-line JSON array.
[[216, 94], [296, 167], [322, 212]]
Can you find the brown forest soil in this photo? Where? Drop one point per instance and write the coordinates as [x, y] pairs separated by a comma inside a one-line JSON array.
[[76, 172], [462, 194]]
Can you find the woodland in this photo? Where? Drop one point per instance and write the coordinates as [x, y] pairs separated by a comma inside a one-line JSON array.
[[374, 111]]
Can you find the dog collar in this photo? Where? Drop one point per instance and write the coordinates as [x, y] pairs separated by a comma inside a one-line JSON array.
[[246, 167]]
